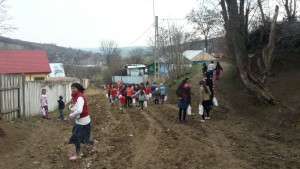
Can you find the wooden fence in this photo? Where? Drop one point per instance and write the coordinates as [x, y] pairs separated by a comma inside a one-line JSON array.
[[19, 98]]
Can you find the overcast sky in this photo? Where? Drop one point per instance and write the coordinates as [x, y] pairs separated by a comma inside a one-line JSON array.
[[84, 23]]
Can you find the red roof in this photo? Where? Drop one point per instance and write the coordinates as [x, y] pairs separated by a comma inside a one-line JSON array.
[[24, 61]]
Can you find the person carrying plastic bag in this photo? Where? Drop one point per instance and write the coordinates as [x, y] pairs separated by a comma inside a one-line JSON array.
[[205, 102]]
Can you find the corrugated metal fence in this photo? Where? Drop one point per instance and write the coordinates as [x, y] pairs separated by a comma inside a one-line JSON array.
[[20, 98], [128, 79]]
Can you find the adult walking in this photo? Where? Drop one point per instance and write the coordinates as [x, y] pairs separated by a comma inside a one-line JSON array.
[[205, 99], [218, 70], [210, 68], [204, 69], [184, 95], [82, 128]]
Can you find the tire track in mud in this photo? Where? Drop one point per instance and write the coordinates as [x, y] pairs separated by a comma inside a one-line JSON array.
[[209, 136], [145, 153]]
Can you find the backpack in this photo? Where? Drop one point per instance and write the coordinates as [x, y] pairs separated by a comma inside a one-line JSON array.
[[162, 90]]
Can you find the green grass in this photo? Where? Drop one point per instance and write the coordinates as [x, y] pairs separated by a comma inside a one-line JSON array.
[[29, 123], [297, 50], [189, 74]]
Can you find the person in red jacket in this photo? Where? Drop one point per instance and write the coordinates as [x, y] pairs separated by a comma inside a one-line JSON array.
[[113, 94], [82, 128], [147, 90], [123, 103]]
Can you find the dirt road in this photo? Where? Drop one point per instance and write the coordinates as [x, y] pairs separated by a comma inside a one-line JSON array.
[[153, 139]]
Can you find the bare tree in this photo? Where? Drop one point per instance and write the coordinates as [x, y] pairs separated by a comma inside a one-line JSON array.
[[290, 7], [109, 49], [172, 42], [4, 17], [208, 22], [136, 56], [236, 31]]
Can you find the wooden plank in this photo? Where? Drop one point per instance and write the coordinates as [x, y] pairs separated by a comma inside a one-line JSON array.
[[8, 88], [8, 111]]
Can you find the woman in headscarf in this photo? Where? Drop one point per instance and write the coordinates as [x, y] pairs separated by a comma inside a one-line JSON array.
[[184, 95], [82, 129]]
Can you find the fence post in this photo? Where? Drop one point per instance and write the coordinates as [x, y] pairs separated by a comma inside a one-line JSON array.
[[23, 95], [1, 77]]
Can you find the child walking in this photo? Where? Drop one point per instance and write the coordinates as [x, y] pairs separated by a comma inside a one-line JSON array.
[[141, 97], [123, 103], [156, 96], [44, 104], [61, 106]]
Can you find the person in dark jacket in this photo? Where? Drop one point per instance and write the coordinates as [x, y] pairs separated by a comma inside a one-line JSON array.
[[152, 90], [204, 69], [184, 95], [61, 106]]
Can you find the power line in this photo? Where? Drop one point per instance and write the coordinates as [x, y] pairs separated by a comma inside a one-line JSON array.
[[141, 35]]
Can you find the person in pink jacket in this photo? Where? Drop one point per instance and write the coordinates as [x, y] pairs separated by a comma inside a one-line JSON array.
[[44, 104]]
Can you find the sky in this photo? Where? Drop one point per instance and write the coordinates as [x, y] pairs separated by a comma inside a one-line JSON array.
[[85, 23]]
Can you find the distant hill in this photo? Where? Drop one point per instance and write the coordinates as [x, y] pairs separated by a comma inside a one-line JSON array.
[[62, 54], [54, 53], [124, 51]]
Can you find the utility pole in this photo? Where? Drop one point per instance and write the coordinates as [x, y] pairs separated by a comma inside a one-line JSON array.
[[156, 68]]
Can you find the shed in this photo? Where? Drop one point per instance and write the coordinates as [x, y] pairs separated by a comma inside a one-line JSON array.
[[202, 57]]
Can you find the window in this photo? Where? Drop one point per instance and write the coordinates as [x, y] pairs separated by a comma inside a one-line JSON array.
[[39, 78]]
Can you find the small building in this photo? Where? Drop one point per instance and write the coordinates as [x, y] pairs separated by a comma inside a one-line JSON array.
[[57, 70], [203, 57], [135, 69], [198, 56], [33, 63], [190, 54], [161, 68]]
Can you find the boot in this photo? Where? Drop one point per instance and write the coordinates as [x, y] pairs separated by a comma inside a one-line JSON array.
[[47, 117]]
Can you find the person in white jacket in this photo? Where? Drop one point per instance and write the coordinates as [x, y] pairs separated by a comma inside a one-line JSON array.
[[82, 129]]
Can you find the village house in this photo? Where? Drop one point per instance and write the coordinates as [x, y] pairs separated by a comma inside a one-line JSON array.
[[198, 56], [33, 64]]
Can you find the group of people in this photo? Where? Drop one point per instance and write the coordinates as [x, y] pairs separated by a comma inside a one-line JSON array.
[[208, 70], [128, 94], [206, 92]]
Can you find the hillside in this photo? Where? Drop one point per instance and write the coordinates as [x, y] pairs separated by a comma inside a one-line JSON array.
[[54, 53]]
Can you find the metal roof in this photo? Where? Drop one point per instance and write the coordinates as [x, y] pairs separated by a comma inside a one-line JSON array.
[[24, 61]]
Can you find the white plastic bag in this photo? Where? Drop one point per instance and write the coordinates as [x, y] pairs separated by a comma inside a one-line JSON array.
[[107, 95], [147, 96], [133, 100], [215, 101], [201, 109], [150, 95], [166, 98], [145, 104], [189, 110], [43, 111]]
